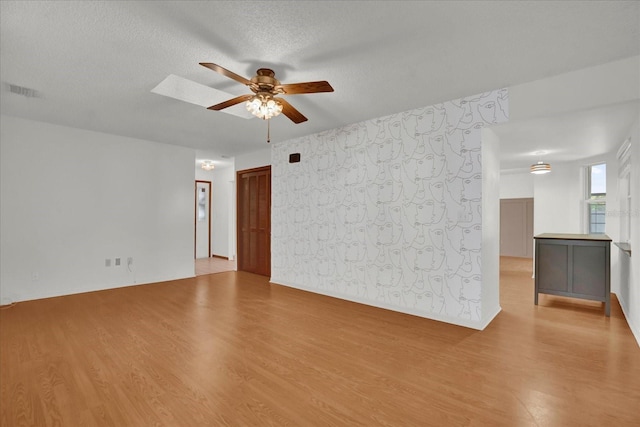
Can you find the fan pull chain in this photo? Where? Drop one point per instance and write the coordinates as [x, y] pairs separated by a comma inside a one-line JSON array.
[[268, 131]]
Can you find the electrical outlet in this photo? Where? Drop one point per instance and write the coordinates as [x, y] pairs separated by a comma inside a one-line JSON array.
[[107, 262], [35, 276], [117, 261]]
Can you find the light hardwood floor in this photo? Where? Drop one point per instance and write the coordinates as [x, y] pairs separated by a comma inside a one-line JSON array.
[[213, 265], [230, 349]]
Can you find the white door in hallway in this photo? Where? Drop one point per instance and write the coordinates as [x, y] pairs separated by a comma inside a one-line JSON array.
[[203, 219]]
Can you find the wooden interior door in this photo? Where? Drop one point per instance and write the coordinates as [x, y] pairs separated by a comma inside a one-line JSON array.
[[254, 220]]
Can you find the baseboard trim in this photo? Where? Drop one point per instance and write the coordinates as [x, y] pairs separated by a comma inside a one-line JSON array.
[[471, 324], [490, 318], [634, 331]]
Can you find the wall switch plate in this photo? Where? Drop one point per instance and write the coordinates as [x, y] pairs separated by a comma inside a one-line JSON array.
[[117, 261]]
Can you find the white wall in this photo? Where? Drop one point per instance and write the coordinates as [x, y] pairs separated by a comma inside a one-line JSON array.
[[490, 261], [629, 293], [71, 198], [558, 200], [223, 180], [516, 184], [232, 220], [387, 212], [254, 159]]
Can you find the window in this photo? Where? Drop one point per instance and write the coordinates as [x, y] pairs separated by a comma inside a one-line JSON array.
[[596, 195]]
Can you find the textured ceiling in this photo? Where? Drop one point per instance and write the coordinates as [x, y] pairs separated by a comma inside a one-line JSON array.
[[94, 64]]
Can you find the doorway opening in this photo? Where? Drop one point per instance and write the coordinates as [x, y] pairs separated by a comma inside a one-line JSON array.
[[205, 260]]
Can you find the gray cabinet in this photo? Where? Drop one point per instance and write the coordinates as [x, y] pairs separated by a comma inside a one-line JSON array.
[[573, 265]]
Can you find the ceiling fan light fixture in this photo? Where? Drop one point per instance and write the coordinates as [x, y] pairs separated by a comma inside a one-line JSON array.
[[264, 107], [540, 168], [207, 165]]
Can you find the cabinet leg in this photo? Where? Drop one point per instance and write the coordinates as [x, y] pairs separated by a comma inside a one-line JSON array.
[[607, 307]]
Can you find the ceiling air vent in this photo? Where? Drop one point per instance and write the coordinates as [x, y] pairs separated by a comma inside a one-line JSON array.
[[22, 91]]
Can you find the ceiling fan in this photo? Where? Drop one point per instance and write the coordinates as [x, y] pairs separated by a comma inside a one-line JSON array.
[[264, 102]]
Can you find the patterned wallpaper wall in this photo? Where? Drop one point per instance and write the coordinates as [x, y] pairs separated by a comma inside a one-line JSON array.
[[387, 211]]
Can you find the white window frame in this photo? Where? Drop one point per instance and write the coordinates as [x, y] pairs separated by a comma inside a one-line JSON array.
[[588, 201]]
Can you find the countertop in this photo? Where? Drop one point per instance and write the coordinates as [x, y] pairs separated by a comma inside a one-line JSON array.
[[564, 236]]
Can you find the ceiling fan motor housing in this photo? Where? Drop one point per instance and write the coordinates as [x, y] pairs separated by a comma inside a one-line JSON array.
[[265, 81]]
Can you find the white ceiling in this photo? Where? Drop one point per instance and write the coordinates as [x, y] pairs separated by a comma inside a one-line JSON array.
[[578, 135], [94, 64]]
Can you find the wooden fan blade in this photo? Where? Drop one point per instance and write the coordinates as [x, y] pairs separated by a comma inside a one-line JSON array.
[[231, 102], [227, 73], [308, 87], [293, 114]]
